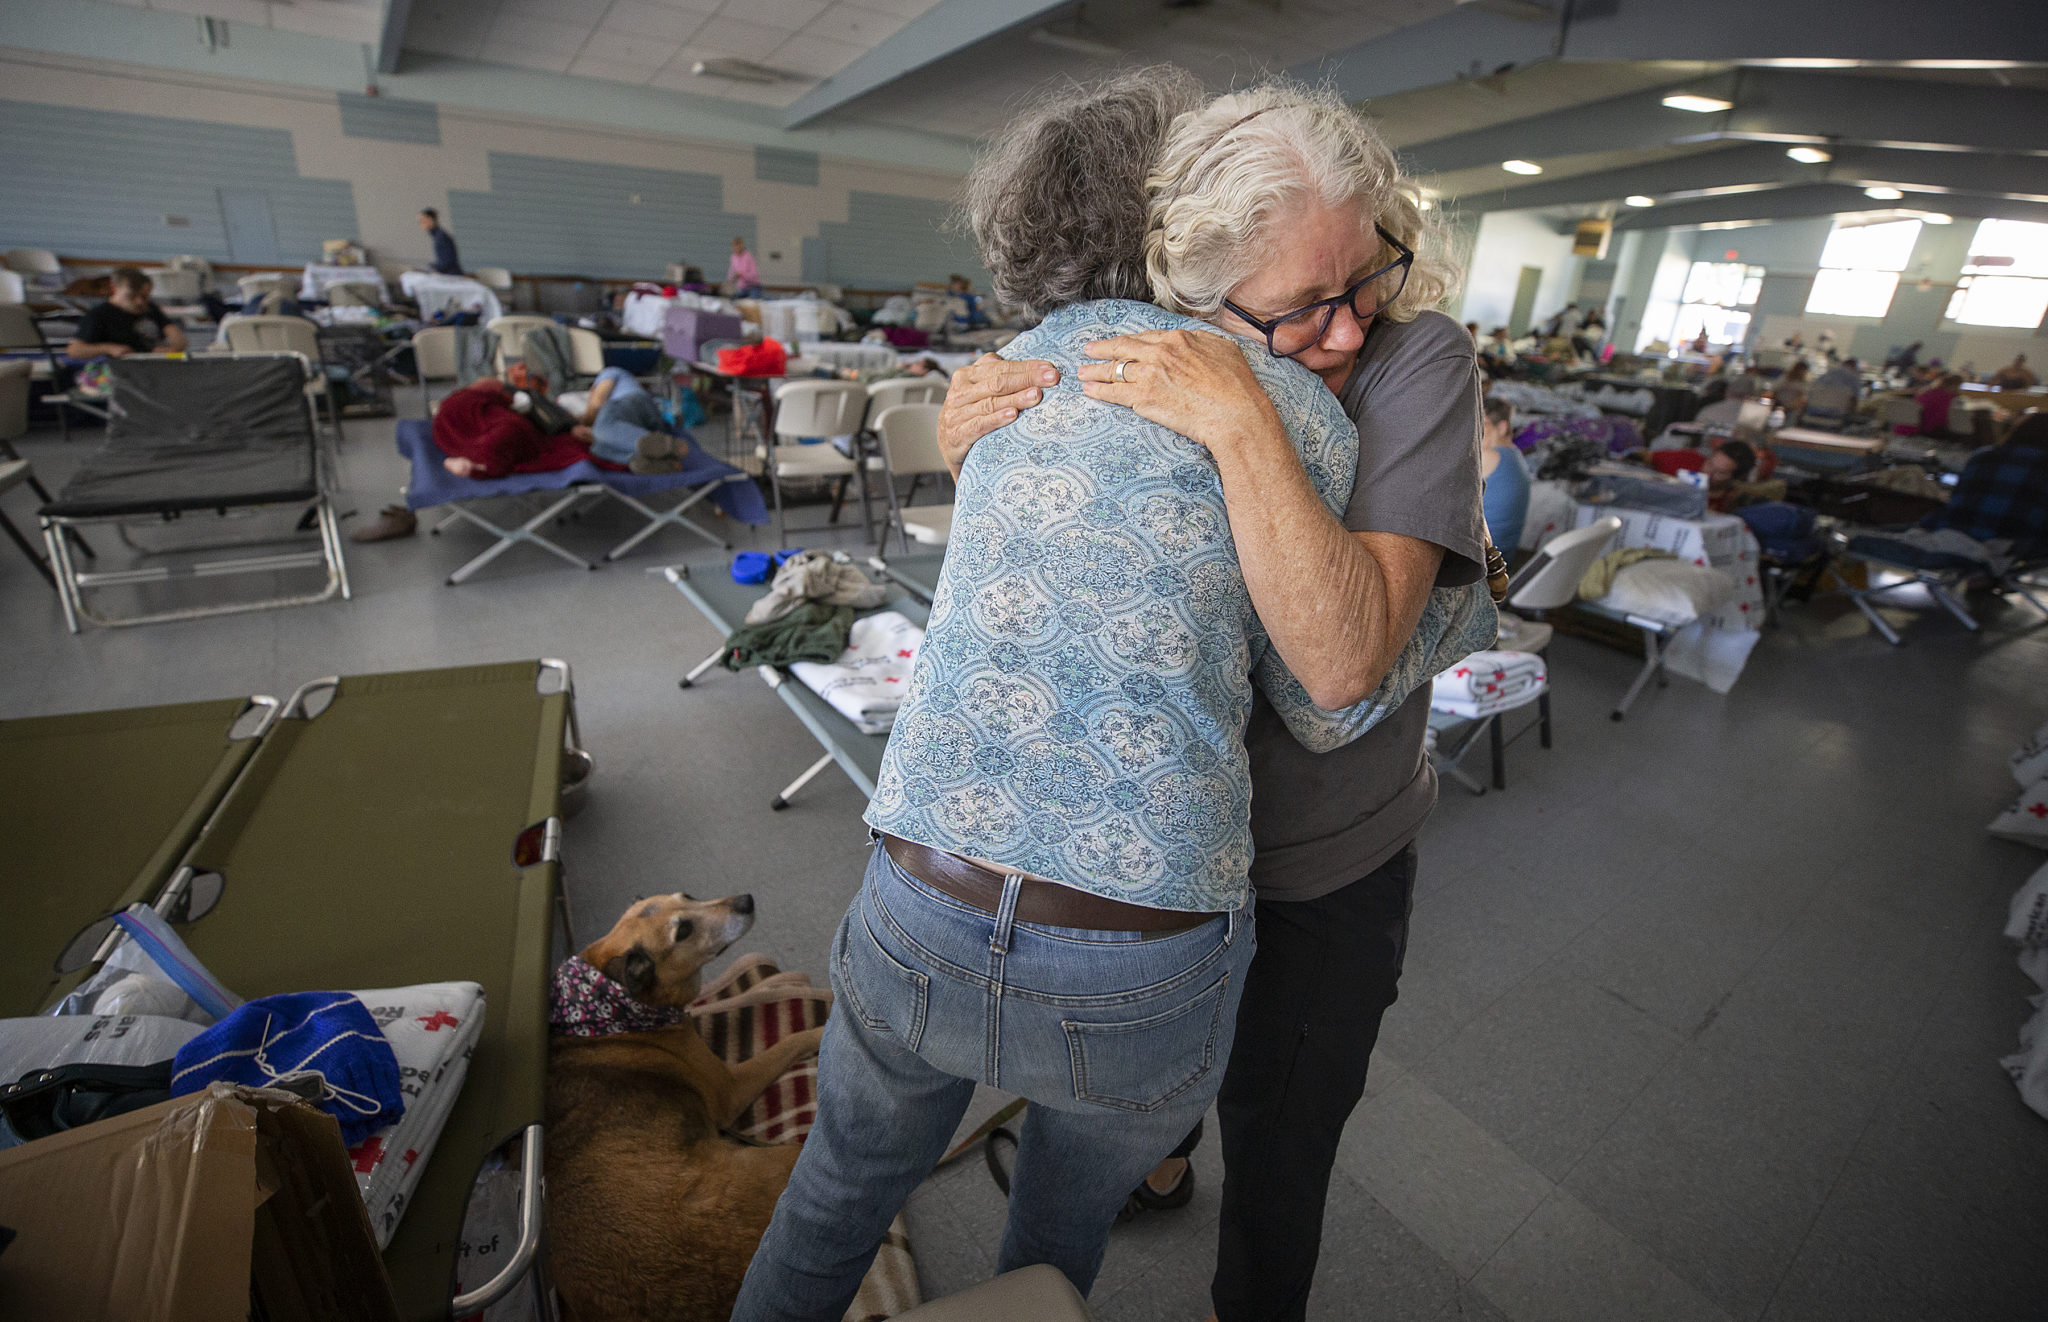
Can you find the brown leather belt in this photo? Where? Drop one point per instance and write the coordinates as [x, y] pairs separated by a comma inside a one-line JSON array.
[[1045, 903]]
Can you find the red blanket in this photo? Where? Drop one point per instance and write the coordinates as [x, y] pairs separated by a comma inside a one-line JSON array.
[[478, 423]]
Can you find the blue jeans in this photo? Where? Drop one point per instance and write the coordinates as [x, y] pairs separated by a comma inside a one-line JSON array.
[[1118, 1043], [629, 413]]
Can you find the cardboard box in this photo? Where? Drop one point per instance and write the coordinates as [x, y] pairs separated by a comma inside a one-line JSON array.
[[226, 1204]]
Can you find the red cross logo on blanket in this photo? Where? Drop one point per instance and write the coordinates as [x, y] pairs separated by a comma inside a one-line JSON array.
[[2038, 809], [437, 1021], [411, 1155], [1500, 674], [905, 653], [367, 1154], [1461, 672], [893, 679]]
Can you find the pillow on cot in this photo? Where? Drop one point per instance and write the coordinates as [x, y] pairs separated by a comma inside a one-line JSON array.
[[2027, 820], [1669, 591], [2030, 763]]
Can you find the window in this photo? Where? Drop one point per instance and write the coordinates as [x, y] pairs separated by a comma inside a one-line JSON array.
[[2003, 280], [1717, 295], [1859, 268]]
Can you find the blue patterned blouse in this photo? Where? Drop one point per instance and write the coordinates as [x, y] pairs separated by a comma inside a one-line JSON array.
[[1079, 706]]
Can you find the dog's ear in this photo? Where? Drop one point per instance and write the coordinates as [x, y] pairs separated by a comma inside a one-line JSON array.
[[633, 970]]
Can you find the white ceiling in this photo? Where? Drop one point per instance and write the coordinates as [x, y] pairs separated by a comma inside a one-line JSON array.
[[345, 20], [654, 42]]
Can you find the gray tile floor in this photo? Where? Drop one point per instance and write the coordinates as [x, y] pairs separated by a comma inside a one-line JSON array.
[[1701, 1017]]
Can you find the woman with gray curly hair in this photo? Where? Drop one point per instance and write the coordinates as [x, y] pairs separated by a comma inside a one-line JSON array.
[[1058, 901], [1280, 213]]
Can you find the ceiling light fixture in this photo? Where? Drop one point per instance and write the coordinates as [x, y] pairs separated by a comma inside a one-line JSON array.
[[1079, 45], [1882, 194], [1521, 167], [1809, 155], [1703, 105], [1638, 200], [738, 71]]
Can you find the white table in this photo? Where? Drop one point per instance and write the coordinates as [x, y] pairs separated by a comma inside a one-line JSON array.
[[318, 279], [1714, 649], [435, 292]]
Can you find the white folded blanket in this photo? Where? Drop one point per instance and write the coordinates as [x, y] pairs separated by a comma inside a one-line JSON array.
[[867, 682], [432, 1028], [1488, 682]]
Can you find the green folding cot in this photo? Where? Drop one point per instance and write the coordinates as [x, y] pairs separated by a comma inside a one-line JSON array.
[[397, 829], [96, 809]]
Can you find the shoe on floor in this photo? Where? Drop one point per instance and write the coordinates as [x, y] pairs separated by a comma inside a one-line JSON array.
[[1145, 1198], [394, 521], [647, 467], [656, 445]]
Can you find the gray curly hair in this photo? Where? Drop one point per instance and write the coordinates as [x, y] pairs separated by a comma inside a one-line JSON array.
[[1056, 203], [1229, 168]]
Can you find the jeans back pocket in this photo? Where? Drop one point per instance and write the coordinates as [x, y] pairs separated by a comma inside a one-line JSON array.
[[886, 995], [1143, 1064]]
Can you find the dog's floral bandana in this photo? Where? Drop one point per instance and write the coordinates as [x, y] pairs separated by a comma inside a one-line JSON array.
[[588, 1004]]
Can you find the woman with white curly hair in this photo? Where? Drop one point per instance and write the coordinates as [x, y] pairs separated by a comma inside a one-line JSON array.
[[1280, 214], [1058, 902]]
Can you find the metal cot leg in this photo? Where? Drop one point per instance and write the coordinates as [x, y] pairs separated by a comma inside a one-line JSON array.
[[67, 577], [782, 799], [1653, 665], [702, 667], [1938, 589]]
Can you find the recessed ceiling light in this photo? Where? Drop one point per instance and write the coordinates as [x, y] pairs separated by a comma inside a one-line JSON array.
[[1883, 194], [1638, 200], [1936, 218], [1809, 155], [1521, 167], [1700, 104]]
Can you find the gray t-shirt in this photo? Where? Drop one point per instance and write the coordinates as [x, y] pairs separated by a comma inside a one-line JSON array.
[[1323, 820]]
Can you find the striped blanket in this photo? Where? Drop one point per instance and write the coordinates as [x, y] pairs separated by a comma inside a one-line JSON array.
[[749, 1008]]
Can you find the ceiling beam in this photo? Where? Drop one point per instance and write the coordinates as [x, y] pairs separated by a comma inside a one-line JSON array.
[[1771, 105], [1809, 200], [391, 36], [1751, 167], [1471, 41], [947, 27]]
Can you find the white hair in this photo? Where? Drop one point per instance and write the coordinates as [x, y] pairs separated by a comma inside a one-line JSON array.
[[1230, 168]]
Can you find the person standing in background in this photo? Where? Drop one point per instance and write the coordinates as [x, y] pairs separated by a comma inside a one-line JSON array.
[[744, 274], [1506, 474], [445, 262]]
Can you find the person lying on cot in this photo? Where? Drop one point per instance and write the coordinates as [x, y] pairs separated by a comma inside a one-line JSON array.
[[487, 430], [628, 427]]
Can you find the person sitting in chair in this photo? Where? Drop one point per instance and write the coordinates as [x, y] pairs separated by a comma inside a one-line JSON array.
[[128, 322], [2003, 492]]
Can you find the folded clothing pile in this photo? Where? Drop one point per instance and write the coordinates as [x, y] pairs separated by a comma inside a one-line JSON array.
[[433, 1029], [866, 683], [1488, 683]]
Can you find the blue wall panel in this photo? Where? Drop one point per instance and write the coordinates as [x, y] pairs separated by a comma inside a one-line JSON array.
[[389, 118], [98, 183], [889, 242], [777, 166], [546, 216]]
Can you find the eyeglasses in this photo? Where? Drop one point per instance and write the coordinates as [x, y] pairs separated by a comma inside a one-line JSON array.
[[1305, 327]]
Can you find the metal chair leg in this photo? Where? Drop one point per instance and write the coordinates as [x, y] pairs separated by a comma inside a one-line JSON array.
[[1653, 666], [34, 558]]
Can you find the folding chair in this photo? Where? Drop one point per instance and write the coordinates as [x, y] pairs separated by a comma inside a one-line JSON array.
[[805, 409], [910, 448], [433, 358], [22, 335], [511, 331], [494, 278], [1551, 580]]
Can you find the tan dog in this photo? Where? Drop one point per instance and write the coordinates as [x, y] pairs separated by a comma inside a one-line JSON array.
[[652, 1211]]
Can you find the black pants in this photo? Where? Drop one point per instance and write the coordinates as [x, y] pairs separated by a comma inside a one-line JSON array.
[[1325, 973]]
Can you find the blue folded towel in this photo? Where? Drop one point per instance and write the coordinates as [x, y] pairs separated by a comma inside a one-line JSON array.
[[278, 1037]]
